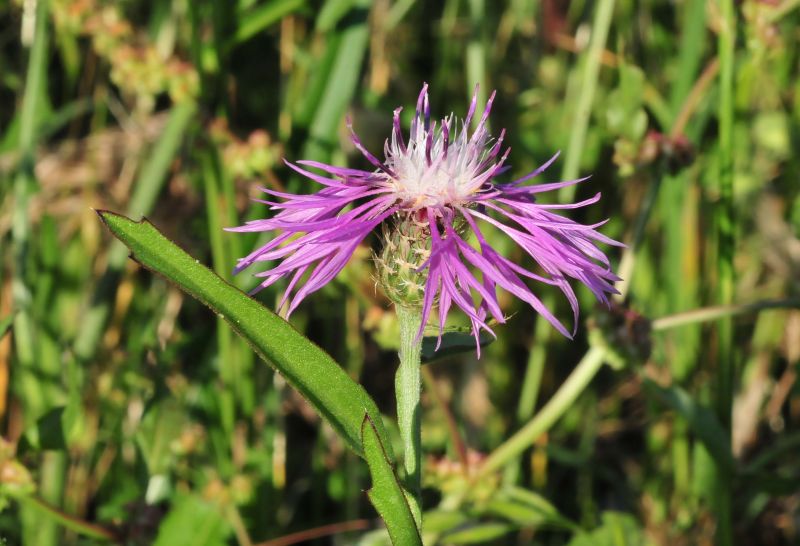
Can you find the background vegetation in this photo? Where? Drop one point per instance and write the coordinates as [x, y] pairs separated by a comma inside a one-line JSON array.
[[130, 413]]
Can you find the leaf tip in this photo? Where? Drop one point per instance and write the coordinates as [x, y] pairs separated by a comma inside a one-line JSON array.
[[117, 223], [112, 219], [104, 214], [365, 422]]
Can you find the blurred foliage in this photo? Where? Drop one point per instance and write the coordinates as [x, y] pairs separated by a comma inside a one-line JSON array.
[[131, 414]]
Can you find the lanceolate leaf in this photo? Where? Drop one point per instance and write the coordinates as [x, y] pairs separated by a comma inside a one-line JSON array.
[[386, 493], [309, 369]]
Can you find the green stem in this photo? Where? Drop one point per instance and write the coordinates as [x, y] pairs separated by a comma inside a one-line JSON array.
[[583, 110], [725, 232], [725, 210], [561, 401], [24, 183], [407, 390], [531, 384], [476, 52]]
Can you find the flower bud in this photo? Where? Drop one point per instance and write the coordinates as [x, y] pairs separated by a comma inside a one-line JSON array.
[[406, 247]]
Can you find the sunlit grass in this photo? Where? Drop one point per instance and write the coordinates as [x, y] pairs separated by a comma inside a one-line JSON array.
[[130, 412]]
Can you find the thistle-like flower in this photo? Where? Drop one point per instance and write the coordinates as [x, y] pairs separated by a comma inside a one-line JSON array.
[[431, 193]]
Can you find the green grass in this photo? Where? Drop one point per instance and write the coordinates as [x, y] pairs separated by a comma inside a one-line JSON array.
[[138, 416]]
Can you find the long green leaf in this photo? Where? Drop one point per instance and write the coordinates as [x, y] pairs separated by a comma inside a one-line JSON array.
[[386, 493], [261, 17], [309, 369]]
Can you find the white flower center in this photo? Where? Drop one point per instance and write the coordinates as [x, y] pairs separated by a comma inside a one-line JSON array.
[[436, 169]]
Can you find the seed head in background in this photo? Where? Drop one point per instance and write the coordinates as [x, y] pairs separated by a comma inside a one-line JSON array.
[[429, 193]]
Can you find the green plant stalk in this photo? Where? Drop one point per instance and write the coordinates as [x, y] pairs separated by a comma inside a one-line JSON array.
[[580, 123], [725, 213], [339, 91], [677, 209], [476, 52], [681, 457], [693, 32], [447, 51], [561, 401], [725, 232], [533, 377], [24, 336], [532, 383], [408, 386], [241, 357]]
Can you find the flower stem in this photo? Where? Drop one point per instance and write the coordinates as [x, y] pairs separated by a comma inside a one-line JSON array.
[[561, 401], [407, 391]]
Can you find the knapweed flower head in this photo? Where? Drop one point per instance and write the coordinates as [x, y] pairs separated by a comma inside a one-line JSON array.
[[432, 193]]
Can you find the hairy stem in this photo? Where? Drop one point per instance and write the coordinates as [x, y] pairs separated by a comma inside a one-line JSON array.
[[407, 390]]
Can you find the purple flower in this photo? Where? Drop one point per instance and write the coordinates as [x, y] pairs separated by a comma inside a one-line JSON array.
[[442, 184]]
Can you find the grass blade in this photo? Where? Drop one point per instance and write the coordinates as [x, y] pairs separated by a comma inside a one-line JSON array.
[[265, 15], [725, 251]]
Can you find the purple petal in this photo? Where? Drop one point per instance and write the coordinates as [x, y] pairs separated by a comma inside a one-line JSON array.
[[537, 172], [371, 158]]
